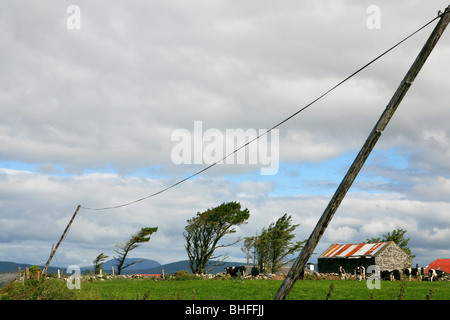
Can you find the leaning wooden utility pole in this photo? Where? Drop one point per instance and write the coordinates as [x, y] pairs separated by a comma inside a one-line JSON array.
[[339, 195], [52, 253]]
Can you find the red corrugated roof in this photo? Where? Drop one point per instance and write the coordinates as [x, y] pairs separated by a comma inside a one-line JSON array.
[[356, 248], [353, 250], [444, 264]]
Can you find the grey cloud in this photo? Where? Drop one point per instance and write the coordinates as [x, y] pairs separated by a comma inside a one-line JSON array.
[[134, 72]]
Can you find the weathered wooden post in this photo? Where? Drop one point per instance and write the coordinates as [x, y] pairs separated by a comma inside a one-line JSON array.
[[27, 274], [358, 163], [60, 240]]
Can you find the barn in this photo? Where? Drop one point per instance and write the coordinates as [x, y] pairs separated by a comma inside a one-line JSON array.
[[386, 255], [439, 264]]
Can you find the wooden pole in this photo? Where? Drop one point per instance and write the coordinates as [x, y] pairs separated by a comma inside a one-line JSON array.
[[358, 163], [60, 240]]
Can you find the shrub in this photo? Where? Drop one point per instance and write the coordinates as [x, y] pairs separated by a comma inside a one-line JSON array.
[[34, 289], [34, 271], [185, 275]]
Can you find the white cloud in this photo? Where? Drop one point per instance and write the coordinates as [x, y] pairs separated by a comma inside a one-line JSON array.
[[47, 203], [342, 234]]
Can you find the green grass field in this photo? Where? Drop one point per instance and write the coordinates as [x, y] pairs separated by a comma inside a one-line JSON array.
[[140, 289], [266, 289]]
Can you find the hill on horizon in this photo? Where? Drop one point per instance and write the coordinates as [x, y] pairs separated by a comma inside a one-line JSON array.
[[146, 267], [171, 268], [107, 266], [8, 266]]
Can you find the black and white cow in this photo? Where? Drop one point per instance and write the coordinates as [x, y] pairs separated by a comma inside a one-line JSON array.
[[385, 275], [417, 272], [420, 272], [254, 272], [396, 275], [408, 272], [391, 275], [360, 273], [435, 274], [235, 272], [432, 274], [342, 273]]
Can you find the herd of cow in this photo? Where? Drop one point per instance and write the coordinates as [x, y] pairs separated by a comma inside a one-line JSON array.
[[359, 273], [239, 271], [431, 275]]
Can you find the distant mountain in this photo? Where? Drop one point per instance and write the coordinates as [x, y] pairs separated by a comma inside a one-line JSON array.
[[146, 267], [171, 268], [107, 266], [7, 266]]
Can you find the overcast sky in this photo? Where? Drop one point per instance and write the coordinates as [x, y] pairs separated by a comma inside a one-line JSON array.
[[87, 117]]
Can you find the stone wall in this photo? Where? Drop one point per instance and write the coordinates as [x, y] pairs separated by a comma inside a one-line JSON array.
[[392, 257]]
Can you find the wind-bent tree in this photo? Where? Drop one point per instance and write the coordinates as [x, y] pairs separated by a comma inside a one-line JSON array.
[[135, 241], [275, 244], [204, 231], [98, 262], [247, 248]]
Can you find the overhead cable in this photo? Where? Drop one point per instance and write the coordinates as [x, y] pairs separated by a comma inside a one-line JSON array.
[[274, 127]]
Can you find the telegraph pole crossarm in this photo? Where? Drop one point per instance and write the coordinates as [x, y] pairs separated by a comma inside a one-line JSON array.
[[362, 156]]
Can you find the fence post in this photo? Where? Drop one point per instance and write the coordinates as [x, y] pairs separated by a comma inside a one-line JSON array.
[[60, 240]]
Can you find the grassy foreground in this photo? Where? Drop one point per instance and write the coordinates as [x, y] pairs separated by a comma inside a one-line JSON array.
[[203, 289]]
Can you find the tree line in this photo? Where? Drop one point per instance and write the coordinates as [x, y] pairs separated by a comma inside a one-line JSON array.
[[204, 232], [269, 251]]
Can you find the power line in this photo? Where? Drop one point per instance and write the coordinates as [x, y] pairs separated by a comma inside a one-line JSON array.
[[274, 127]]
